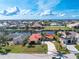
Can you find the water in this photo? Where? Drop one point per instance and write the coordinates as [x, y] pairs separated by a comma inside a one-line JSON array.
[[49, 32], [29, 33]]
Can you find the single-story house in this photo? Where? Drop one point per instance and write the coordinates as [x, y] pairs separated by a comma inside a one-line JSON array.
[[36, 25], [34, 38], [16, 38], [48, 37]]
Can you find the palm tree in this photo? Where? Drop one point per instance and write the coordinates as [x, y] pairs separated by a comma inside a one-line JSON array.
[[25, 41], [59, 55]]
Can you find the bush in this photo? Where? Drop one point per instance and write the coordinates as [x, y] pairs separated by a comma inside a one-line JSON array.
[[4, 50]]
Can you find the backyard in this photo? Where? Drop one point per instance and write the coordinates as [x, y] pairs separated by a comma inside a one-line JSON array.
[[57, 28]]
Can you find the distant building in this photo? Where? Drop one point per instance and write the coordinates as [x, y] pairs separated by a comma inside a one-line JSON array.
[[71, 25], [36, 26]]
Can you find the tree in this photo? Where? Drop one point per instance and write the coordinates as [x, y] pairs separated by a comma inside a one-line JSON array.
[[59, 55], [3, 40], [27, 27], [3, 43], [25, 41]]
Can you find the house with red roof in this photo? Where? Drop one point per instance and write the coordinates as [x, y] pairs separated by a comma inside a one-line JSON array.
[[50, 36], [35, 37]]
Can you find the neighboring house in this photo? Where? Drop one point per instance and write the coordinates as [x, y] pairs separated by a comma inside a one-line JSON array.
[[14, 26], [70, 38], [73, 25], [49, 37], [3, 25], [21, 26], [17, 38], [36, 25], [54, 24], [34, 38], [77, 27]]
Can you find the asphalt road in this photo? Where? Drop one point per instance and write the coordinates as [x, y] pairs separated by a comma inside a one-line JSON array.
[[25, 56]]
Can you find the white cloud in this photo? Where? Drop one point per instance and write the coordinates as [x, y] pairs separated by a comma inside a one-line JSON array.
[[25, 12], [15, 12], [61, 14], [2, 12], [50, 3], [46, 12], [12, 10]]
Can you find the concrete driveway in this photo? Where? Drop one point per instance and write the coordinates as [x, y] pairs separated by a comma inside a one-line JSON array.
[[51, 48], [72, 49], [70, 56]]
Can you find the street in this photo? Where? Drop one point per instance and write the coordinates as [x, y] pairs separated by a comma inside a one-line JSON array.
[[25, 56]]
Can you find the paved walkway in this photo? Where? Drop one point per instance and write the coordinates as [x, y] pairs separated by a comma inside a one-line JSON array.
[[72, 49], [70, 56], [25, 56], [51, 48]]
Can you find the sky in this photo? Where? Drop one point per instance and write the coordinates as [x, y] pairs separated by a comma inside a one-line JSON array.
[[39, 9]]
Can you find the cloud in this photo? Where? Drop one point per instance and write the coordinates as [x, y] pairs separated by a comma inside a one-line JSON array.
[[15, 11], [2, 12], [45, 6], [25, 12], [49, 5], [61, 14], [18, 13], [45, 12], [12, 11]]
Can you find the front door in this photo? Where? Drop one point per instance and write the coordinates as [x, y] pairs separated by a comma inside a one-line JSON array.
[[69, 42]]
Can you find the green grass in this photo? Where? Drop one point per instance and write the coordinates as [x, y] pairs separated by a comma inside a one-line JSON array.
[[57, 28], [19, 49], [77, 47], [60, 48], [77, 55]]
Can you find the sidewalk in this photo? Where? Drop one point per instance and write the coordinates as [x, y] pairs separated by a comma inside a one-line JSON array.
[[70, 56]]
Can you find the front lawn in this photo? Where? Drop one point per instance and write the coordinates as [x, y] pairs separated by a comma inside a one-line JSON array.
[[36, 49], [60, 48], [77, 47], [77, 55]]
